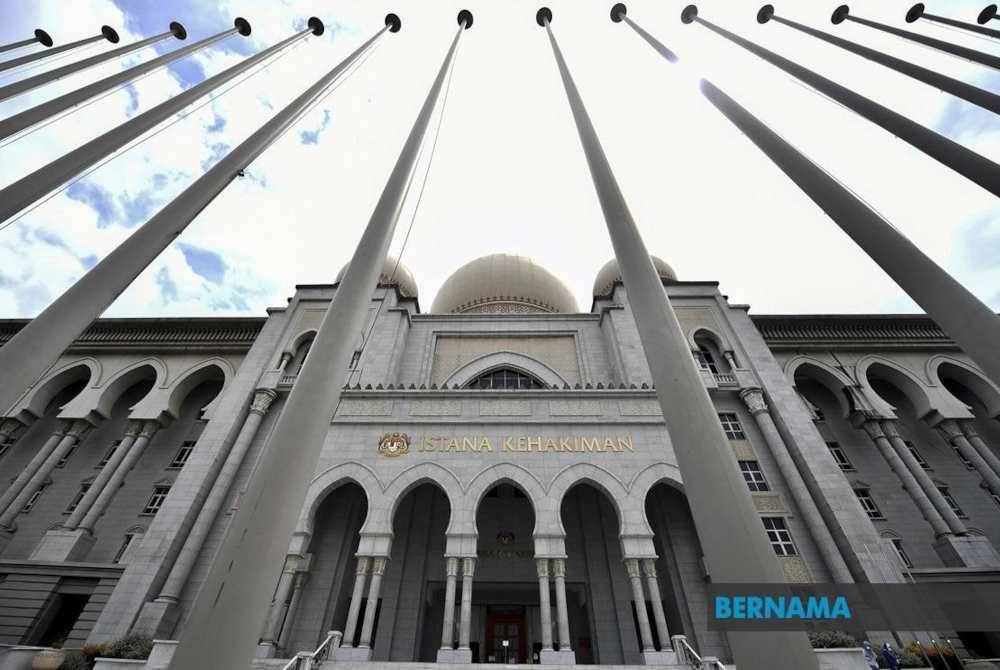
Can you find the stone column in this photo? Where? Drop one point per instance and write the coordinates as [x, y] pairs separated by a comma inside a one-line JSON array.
[[545, 609], [753, 398], [374, 588], [465, 625], [71, 437], [36, 462], [149, 429], [969, 429], [293, 607], [653, 585], [360, 572], [730, 358], [951, 431], [923, 479], [217, 496], [562, 614], [448, 629], [276, 612], [632, 568], [875, 432], [132, 430]]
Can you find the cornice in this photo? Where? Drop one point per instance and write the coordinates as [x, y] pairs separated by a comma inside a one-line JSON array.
[[845, 331], [189, 334]]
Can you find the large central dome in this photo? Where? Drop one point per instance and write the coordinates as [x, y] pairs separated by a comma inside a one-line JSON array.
[[503, 284]]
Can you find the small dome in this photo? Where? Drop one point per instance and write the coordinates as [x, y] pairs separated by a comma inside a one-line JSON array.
[[401, 277], [610, 274], [503, 284]]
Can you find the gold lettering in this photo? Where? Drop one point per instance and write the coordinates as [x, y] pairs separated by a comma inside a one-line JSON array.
[[508, 444], [590, 444], [625, 443], [469, 444], [564, 444], [535, 444], [608, 442], [428, 443], [520, 444], [452, 445], [485, 445]]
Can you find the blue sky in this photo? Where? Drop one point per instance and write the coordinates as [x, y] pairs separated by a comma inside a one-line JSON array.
[[508, 175]]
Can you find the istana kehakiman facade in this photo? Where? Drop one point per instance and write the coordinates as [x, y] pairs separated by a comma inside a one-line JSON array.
[[498, 470]]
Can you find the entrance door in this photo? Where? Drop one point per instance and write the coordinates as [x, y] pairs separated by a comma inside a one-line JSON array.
[[505, 624]]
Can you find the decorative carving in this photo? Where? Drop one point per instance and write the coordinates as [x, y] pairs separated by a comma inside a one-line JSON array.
[[543, 567], [133, 428], [365, 408], [873, 429], [950, 430], [262, 399], [171, 333], [378, 565], [640, 408], [505, 537], [149, 429], [559, 568], [505, 408], [451, 567], [436, 408], [753, 398], [575, 408], [649, 567], [763, 503], [78, 429], [394, 444], [968, 427], [632, 567], [890, 429], [820, 332], [362, 567], [469, 567], [795, 569]]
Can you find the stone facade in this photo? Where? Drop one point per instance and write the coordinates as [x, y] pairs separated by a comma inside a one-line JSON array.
[[539, 515]]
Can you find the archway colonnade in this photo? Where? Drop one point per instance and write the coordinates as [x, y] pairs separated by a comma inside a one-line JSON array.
[[462, 544], [892, 399]]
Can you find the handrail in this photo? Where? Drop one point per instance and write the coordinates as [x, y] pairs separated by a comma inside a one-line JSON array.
[[686, 653], [311, 657]]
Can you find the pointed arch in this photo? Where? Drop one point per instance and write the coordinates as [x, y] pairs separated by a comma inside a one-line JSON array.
[[486, 479], [914, 388], [505, 359], [411, 478], [941, 368], [835, 381], [39, 396], [102, 399], [600, 478], [213, 369], [702, 331], [324, 484]]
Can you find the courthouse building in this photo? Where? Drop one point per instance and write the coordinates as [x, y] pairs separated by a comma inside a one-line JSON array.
[[497, 483]]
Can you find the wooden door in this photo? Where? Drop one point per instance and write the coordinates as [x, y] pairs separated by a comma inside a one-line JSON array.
[[509, 627]]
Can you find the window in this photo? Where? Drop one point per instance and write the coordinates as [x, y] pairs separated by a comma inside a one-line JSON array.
[[951, 501], [754, 476], [778, 536], [34, 497], [916, 454], [355, 359], [505, 379], [155, 502], [965, 461], [181, 457], [706, 361], [62, 461], [839, 456], [122, 549], [898, 546], [108, 454], [78, 497], [868, 503], [731, 426]]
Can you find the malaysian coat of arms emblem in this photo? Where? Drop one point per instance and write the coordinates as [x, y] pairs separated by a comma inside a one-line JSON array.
[[394, 444]]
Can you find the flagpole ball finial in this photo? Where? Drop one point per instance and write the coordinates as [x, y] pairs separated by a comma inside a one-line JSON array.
[[110, 34], [618, 12], [916, 11], [242, 26], [543, 16], [178, 29], [394, 22], [689, 14], [989, 12], [765, 14], [43, 37], [465, 19], [839, 14]]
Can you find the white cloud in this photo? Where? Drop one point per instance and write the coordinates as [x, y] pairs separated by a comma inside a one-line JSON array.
[[508, 173]]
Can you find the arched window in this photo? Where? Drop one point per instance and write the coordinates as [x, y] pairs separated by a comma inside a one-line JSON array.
[[505, 379]]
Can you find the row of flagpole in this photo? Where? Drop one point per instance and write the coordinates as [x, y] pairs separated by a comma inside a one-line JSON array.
[[225, 616]]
